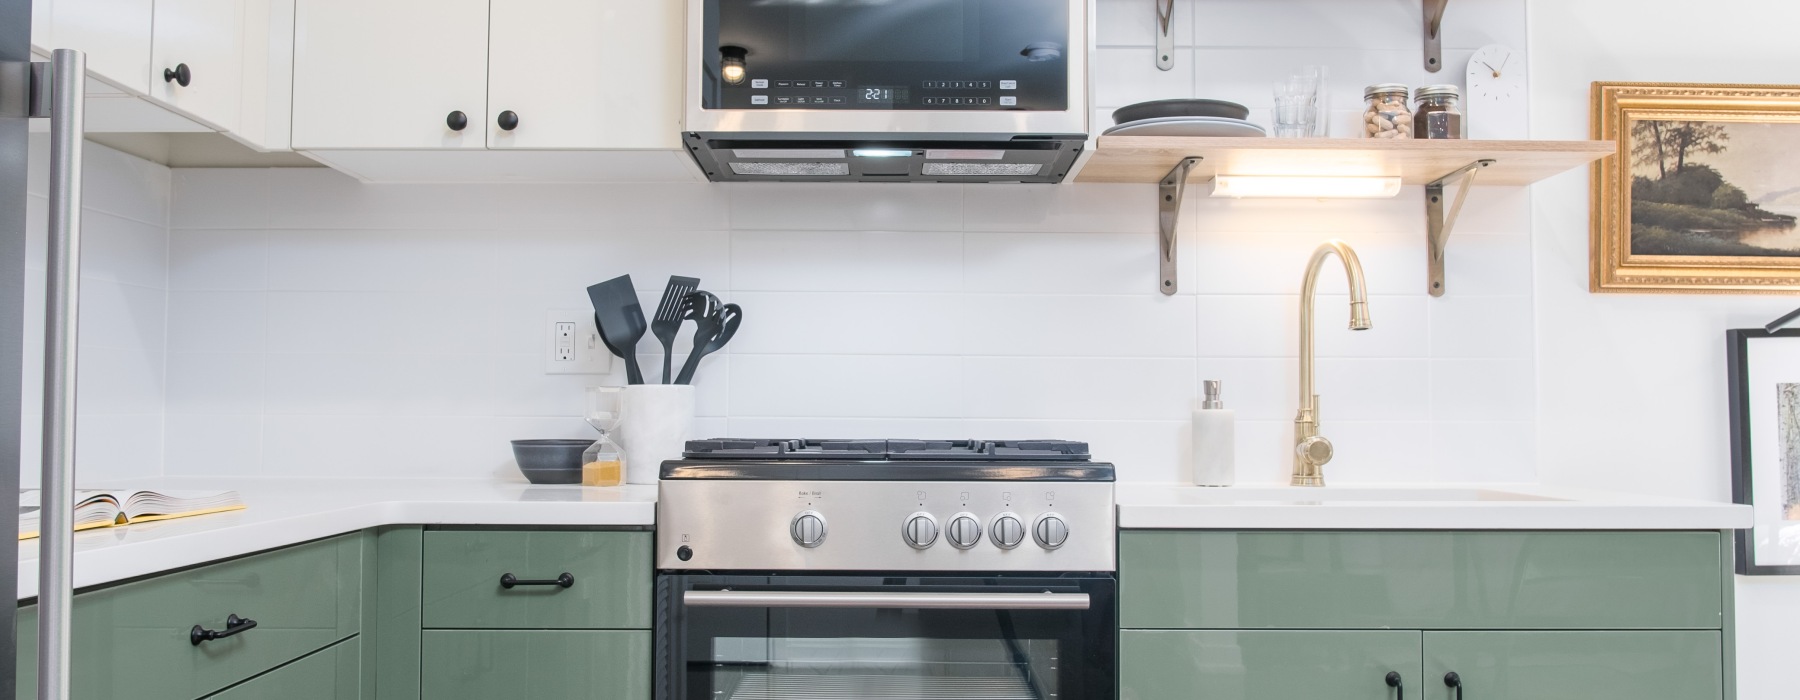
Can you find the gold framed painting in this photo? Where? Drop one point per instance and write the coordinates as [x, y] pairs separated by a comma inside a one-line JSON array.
[[1703, 194]]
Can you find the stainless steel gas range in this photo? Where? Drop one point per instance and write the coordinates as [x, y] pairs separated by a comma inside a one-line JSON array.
[[907, 569]]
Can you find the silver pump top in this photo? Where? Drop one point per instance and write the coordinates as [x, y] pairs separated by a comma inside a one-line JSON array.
[[1212, 401]]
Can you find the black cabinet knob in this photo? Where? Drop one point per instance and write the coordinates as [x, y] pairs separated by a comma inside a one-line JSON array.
[[509, 120], [180, 75], [457, 121], [1394, 681], [1453, 680]]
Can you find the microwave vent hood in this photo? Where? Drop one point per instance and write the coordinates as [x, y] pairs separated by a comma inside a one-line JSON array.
[[781, 157]]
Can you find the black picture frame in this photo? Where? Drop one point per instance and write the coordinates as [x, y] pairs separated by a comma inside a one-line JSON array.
[[1737, 364]]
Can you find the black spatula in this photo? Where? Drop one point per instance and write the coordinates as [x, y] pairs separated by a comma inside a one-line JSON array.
[[668, 317], [621, 321]]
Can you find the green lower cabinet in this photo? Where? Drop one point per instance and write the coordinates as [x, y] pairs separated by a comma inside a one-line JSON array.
[[610, 572], [328, 674], [1635, 665], [536, 664], [1265, 664]]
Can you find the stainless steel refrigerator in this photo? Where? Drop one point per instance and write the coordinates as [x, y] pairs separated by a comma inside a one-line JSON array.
[[15, 48]]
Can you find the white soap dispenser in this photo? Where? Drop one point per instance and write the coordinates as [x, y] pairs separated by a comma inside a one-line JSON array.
[[1215, 440]]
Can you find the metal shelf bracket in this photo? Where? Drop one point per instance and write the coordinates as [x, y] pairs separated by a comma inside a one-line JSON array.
[[1168, 210], [1438, 224], [1434, 38], [1165, 44]]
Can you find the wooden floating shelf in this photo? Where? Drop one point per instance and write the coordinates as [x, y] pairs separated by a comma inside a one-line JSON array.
[[1147, 159]]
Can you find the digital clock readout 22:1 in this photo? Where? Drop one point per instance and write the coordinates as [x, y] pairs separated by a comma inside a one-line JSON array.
[[881, 95]]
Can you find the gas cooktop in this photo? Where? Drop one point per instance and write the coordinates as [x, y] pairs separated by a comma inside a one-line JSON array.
[[887, 460]]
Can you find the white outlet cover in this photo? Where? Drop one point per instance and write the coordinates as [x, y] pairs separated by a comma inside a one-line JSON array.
[[590, 356]]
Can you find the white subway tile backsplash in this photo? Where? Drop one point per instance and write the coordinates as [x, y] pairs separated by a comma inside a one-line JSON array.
[[122, 316], [1091, 208], [220, 198], [215, 384], [1482, 390], [1067, 263], [798, 323], [219, 444], [846, 261], [1134, 22], [1477, 327], [127, 251], [217, 260], [1271, 263], [1128, 75], [218, 322], [844, 207], [1095, 388], [1269, 326], [1144, 325], [379, 384], [890, 386]]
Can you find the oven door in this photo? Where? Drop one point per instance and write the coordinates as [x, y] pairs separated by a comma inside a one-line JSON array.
[[840, 637]]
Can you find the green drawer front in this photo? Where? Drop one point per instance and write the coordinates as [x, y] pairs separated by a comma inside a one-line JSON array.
[[328, 674], [1421, 580], [463, 568], [1265, 664], [536, 664], [131, 641], [1675, 665]]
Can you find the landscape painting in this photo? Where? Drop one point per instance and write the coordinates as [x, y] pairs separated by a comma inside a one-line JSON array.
[[1714, 188], [1701, 194]]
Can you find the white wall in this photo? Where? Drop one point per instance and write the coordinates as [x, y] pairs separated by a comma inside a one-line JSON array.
[[1632, 388], [124, 280]]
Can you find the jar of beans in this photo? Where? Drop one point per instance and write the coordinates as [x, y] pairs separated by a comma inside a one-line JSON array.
[[1387, 116], [1438, 114]]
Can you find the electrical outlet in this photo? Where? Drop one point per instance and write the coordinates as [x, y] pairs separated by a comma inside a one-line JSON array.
[[572, 344]]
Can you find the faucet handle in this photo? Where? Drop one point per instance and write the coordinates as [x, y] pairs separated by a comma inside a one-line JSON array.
[[1315, 450]]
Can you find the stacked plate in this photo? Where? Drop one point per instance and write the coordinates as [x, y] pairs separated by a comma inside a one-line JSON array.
[[1184, 117]]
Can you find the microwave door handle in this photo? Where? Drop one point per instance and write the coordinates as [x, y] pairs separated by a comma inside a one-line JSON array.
[[917, 601]]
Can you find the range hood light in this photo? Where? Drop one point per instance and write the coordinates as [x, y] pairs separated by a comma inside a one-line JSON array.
[[1239, 186], [882, 152], [731, 63]]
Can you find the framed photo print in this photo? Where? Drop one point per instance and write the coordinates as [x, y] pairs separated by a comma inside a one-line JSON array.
[[1764, 373], [1702, 195]]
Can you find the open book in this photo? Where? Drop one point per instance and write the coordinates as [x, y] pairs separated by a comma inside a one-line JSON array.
[[111, 508]]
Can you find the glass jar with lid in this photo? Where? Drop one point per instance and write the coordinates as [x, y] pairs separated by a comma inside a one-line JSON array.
[[1437, 113], [1387, 116]]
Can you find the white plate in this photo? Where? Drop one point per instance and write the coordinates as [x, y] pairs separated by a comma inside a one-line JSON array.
[[1186, 126]]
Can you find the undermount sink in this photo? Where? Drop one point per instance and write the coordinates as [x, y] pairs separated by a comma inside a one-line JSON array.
[[1308, 494]]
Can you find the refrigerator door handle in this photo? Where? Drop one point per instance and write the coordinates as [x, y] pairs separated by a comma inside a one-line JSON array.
[[68, 71]]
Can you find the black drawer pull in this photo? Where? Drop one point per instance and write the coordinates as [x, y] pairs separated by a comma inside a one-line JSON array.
[[1454, 681], [1393, 681], [233, 625], [566, 580]]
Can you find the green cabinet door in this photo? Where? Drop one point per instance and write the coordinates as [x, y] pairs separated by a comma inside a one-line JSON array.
[[611, 571], [328, 674], [1636, 665], [536, 664], [1421, 580], [1265, 664], [131, 640]]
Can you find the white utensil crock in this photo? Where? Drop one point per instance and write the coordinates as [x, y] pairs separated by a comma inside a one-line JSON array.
[[653, 427]]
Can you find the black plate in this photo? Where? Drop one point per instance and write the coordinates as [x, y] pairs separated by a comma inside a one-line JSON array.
[[1180, 108]]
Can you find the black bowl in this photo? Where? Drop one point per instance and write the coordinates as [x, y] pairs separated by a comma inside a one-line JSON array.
[[1180, 108], [550, 461]]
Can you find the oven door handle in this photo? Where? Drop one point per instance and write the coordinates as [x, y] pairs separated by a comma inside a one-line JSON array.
[[919, 601]]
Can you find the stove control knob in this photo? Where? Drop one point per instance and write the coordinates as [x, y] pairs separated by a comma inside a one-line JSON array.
[[964, 531], [1050, 531], [1007, 531], [920, 530], [808, 529]]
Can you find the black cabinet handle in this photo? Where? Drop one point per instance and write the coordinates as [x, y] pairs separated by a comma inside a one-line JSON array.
[[509, 120], [1454, 681], [457, 121], [566, 580], [180, 75], [233, 625], [1393, 681]]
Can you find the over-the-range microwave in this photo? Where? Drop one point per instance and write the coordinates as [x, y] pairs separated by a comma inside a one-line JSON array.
[[884, 90]]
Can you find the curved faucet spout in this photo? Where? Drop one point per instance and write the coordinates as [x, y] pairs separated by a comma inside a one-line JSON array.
[[1310, 450]]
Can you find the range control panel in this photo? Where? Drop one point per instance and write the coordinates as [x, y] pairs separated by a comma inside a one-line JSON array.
[[826, 94], [886, 525]]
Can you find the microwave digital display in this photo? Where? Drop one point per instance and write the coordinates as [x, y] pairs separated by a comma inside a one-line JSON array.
[[881, 95]]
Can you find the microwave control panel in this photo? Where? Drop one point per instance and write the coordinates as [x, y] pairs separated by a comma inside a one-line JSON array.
[[768, 93]]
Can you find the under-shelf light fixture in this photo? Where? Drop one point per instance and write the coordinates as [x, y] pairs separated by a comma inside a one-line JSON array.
[[1353, 187]]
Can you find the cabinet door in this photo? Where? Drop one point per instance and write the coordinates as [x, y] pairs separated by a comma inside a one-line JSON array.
[[114, 33], [328, 674], [536, 664], [1659, 665], [385, 75], [611, 571], [207, 38], [1246, 665], [586, 73]]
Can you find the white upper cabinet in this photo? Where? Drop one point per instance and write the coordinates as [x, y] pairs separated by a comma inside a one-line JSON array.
[[114, 33], [196, 59], [389, 74], [585, 74]]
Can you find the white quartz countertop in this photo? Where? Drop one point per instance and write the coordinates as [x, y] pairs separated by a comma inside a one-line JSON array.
[[1462, 507], [284, 511]]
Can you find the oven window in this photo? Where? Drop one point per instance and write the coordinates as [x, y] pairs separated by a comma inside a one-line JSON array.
[[755, 668]]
